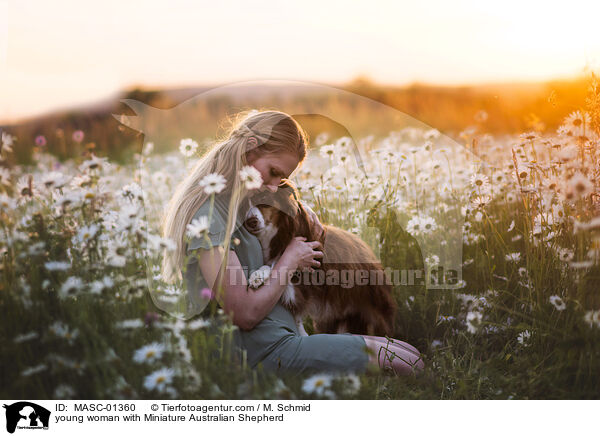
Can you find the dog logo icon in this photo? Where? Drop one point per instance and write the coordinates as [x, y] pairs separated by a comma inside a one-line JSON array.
[[26, 415]]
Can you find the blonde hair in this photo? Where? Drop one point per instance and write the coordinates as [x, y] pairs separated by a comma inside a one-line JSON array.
[[275, 132]]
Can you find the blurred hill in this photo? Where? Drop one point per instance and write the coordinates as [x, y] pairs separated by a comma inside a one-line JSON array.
[[496, 108]]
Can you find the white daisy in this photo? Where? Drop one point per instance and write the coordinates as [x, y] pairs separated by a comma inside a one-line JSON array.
[[251, 177], [61, 201], [436, 343], [481, 201], [523, 173], [86, 233], [7, 203], [558, 302], [327, 151], [198, 324], [172, 290], [576, 124], [565, 254], [97, 286], [414, 226], [318, 384], [159, 380], [480, 181], [71, 286], [213, 183], [130, 211], [57, 266], [116, 260], [343, 157], [592, 318], [156, 242], [94, 163], [188, 147], [54, 180], [568, 153], [344, 143], [7, 141], [33, 370], [513, 257], [523, 338], [474, 321], [558, 213], [5, 177], [26, 188], [579, 185], [149, 353], [25, 337], [198, 227], [432, 260], [135, 323], [132, 191], [148, 148], [351, 384], [64, 392], [116, 253], [63, 331], [428, 225], [321, 138], [528, 136]]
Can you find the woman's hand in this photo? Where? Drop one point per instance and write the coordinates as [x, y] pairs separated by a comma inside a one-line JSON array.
[[302, 254]]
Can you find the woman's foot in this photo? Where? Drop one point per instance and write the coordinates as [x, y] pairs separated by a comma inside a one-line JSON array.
[[400, 359], [392, 341]]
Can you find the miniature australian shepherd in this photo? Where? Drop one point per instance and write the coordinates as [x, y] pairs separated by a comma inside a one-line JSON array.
[[362, 305]]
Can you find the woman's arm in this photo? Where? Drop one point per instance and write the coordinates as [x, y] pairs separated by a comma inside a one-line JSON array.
[[246, 306]]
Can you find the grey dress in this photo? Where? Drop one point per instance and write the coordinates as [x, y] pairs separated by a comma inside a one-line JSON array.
[[275, 342]]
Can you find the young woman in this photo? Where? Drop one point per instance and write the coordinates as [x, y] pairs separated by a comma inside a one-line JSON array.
[[275, 145]]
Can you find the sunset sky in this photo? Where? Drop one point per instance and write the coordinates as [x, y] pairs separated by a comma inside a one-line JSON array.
[[67, 53]]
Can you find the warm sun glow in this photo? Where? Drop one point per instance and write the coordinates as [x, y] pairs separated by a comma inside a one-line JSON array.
[[65, 52]]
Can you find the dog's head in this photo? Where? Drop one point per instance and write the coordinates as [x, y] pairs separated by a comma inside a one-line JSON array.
[[276, 218]]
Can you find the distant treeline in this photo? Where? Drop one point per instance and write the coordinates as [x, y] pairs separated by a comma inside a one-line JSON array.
[[510, 108]]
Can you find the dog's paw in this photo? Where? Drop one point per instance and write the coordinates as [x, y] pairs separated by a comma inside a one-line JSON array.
[[259, 277], [300, 326]]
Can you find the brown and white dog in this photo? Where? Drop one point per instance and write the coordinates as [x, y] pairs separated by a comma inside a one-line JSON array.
[[367, 307]]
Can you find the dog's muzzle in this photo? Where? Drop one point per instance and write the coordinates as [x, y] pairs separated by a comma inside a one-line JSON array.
[[254, 220]]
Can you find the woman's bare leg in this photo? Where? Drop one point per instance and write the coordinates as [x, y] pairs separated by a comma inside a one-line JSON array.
[[402, 360]]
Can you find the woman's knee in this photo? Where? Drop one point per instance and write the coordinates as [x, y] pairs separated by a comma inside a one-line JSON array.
[[329, 353]]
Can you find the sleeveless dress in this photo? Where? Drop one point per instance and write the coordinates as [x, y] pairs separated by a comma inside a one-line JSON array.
[[275, 342]]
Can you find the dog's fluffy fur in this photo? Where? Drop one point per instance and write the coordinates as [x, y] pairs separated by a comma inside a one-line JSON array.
[[361, 309]]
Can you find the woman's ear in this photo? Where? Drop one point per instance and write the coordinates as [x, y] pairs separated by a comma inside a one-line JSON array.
[[251, 156]]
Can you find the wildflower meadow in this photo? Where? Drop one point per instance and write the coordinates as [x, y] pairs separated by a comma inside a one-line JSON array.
[[85, 315]]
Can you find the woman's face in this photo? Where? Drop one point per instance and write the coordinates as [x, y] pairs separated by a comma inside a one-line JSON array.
[[273, 168]]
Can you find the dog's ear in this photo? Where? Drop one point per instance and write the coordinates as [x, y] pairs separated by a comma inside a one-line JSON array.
[[303, 224], [287, 198], [286, 230]]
